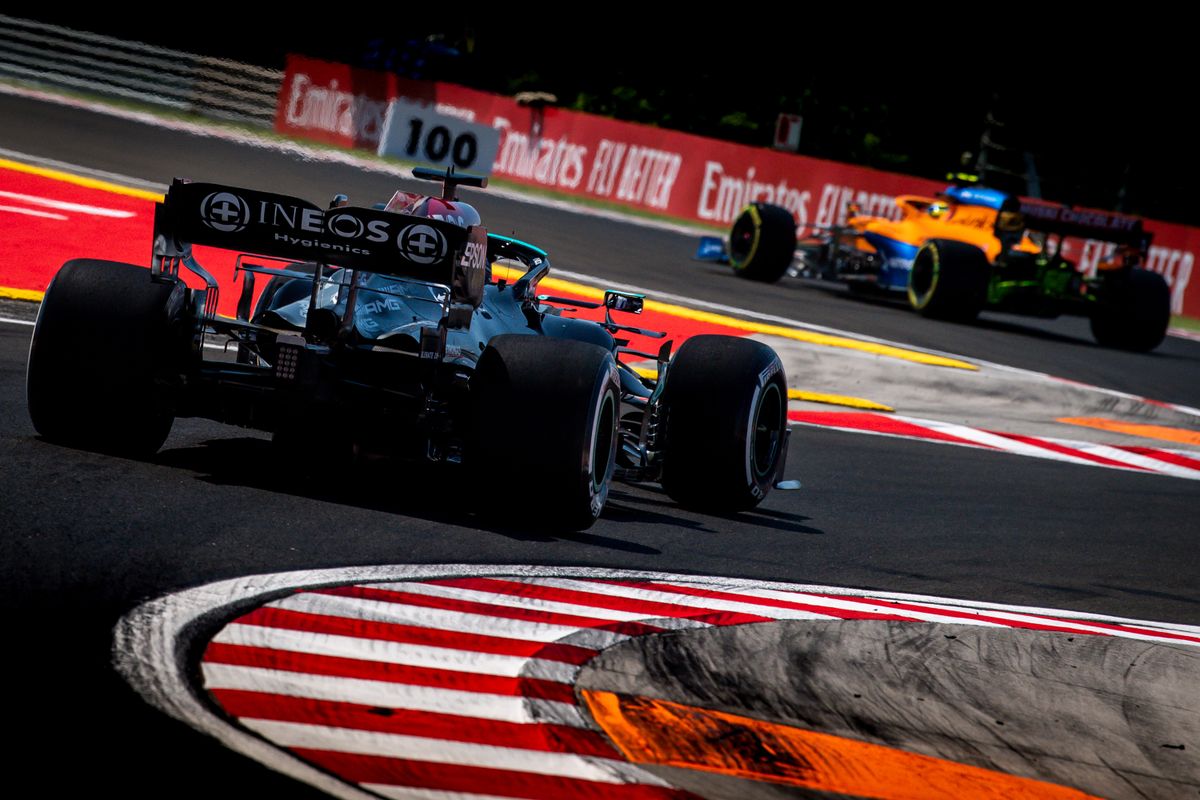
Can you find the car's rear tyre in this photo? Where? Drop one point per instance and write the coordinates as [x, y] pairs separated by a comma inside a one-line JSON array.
[[949, 280], [1134, 312], [105, 336], [762, 242], [544, 430], [726, 423]]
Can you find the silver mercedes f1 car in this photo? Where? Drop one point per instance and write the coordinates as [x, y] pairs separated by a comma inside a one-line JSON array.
[[382, 332]]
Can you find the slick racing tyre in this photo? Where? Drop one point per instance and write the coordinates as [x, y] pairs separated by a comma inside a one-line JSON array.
[[544, 430], [1134, 312], [949, 280], [762, 242], [103, 346], [726, 423]]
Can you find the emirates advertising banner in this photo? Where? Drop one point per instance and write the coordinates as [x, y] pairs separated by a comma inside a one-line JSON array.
[[639, 166]]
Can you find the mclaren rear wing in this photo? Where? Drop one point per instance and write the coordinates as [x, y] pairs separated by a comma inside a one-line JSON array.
[[1085, 223]]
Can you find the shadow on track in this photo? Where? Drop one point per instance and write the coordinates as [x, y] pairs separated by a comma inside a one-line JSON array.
[[760, 517], [432, 493], [437, 494], [1174, 598], [998, 322], [899, 303]]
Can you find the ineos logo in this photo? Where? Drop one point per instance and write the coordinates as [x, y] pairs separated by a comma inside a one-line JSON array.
[[225, 212], [422, 244], [346, 226]]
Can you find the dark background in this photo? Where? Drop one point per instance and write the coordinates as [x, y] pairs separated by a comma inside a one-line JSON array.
[[87, 537], [1103, 105]]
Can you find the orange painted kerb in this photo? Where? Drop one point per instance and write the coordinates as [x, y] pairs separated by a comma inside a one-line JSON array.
[[1162, 432], [650, 731]]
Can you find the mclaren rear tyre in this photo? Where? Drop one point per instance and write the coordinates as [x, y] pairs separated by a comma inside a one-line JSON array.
[[104, 348], [544, 430], [762, 243], [726, 423], [949, 280], [1135, 313]]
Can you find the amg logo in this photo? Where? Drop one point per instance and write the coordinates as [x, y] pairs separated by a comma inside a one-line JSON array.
[[379, 306]]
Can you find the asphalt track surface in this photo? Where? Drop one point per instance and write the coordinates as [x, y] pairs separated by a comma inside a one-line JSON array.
[[87, 537]]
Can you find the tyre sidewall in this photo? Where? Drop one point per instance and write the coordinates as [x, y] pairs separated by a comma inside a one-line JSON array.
[[920, 298], [714, 399], [600, 452], [760, 475], [545, 412]]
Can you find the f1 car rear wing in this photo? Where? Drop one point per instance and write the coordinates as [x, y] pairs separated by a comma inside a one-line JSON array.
[[279, 226], [1102, 226]]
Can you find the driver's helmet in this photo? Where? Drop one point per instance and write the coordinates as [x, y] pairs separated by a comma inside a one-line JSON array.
[[938, 210], [461, 214]]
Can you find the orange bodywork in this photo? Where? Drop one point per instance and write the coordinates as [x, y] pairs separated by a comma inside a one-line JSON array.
[[924, 218]]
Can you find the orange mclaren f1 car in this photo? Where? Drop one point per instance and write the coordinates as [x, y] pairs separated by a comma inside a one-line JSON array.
[[968, 249]]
